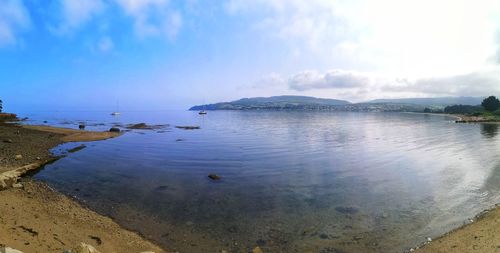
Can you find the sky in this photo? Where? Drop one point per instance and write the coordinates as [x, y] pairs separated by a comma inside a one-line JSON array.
[[167, 54]]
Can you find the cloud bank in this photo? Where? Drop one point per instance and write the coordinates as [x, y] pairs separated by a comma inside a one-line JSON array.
[[14, 18]]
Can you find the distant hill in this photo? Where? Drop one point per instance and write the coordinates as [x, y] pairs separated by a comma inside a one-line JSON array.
[[312, 103], [439, 101], [274, 103]]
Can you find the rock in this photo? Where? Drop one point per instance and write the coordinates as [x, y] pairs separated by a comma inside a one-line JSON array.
[[429, 239], [188, 127], [17, 185], [84, 248], [18, 157], [38, 158], [9, 250], [114, 130], [8, 141], [81, 126], [257, 250], [214, 177]]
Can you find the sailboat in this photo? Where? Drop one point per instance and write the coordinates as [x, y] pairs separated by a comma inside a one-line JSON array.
[[204, 111], [116, 113]]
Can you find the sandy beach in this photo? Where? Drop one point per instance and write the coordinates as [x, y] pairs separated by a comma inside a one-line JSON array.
[[34, 217]]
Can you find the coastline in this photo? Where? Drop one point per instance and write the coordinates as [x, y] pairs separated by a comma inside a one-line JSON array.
[[481, 234], [40, 219]]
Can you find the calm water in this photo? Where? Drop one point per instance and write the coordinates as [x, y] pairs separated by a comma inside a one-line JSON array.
[[291, 181]]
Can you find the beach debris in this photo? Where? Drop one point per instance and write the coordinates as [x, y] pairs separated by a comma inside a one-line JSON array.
[[8, 141], [97, 239], [114, 130], [9, 250], [257, 250], [84, 248], [18, 157], [78, 148], [188, 127], [81, 126], [214, 177]]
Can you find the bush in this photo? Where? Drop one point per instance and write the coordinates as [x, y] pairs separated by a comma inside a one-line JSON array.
[[491, 104], [462, 109]]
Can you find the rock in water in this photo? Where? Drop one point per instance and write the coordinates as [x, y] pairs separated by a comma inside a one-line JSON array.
[[81, 126], [114, 130], [214, 177], [84, 248], [18, 157]]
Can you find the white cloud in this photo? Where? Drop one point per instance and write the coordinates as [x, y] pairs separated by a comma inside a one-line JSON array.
[[391, 37], [76, 13], [337, 79], [152, 17], [105, 44], [367, 85], [14, 17]]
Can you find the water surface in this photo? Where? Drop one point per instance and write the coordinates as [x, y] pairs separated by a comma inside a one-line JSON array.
[[291, 181]]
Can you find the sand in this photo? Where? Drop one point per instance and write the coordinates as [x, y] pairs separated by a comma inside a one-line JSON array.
[[36, 218], [482, 236]]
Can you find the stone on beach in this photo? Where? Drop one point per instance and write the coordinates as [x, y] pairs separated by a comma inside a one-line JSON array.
[[18, 157], [84, 248], [114, 130], [9, 250]]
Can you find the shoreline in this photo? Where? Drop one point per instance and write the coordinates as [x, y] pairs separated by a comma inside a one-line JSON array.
[[479, 234], [40, 219]]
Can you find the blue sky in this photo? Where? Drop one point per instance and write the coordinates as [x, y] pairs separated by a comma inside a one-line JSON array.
[[166, 54]]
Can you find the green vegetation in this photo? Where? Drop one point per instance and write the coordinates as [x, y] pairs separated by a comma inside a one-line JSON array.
[[1, 105], [488, 111], [491, 104]]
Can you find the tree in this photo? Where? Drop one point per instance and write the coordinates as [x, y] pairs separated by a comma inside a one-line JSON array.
[[1, 105], [491, 103]]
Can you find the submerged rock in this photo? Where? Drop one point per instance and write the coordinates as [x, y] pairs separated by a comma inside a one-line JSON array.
[[257, 250], [346, 209], [78, 148], [214, 177]]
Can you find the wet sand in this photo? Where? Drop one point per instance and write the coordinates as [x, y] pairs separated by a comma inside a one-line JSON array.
[[483, 235], [35, 218]]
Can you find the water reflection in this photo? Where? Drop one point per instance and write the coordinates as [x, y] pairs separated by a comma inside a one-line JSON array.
[[489, 130], [291, 181]]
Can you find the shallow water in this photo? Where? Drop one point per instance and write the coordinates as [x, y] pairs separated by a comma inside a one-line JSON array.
[[291, 181]]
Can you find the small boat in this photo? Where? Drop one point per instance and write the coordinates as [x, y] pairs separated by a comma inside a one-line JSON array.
[[202, 112], [115, 113]]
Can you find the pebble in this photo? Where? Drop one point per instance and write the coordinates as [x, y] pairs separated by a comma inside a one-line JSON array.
[[18, 157], [17, 185], [257, 250]]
